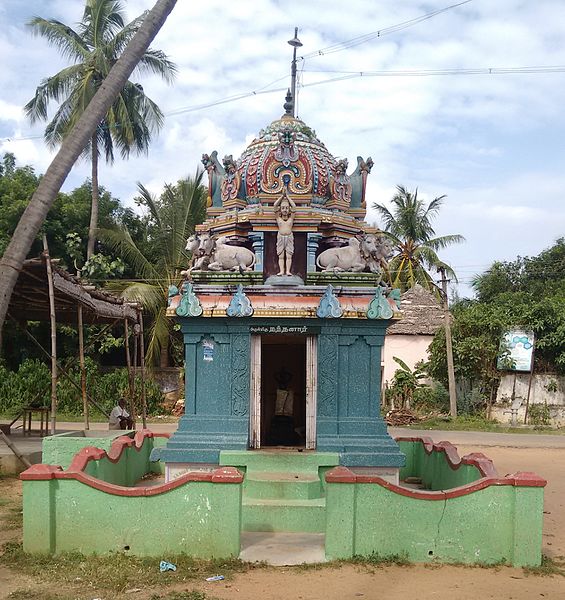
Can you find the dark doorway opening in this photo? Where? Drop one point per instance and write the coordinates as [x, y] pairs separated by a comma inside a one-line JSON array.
[[283, 390]]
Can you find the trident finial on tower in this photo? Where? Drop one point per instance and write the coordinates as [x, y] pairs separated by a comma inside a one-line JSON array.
[[295, 43]]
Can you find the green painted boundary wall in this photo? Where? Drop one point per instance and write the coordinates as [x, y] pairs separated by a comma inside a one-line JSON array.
[[484, 520], [91, 508], [439, 466], [60, 449]]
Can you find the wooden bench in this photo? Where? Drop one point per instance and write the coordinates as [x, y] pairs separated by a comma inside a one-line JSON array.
[[44, 412]]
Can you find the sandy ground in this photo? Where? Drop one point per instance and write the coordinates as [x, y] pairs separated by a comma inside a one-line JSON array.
[[419, 582]]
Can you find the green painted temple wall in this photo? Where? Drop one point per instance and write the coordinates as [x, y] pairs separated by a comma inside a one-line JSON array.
[[60, 449], [498, 524], [198, 518], [433, 469], [93, 508]]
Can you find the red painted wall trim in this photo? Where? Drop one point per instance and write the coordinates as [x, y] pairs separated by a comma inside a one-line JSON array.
[[476, 459], [484, 464], [76, 469]]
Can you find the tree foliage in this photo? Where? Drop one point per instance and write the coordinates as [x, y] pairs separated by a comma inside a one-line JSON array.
[[409, 227], [529, 294], [159, 255], [93, 48]]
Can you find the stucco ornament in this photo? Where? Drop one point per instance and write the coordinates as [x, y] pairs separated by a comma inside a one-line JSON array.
[[189, 305], [329, 306], [240, 305], [359, 255], [215, 254], [379, 307], [173, 291]]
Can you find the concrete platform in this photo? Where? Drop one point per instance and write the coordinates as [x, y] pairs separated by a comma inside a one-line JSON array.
[[282, 549]]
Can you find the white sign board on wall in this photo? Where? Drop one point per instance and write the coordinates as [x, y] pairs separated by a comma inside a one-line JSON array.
[[516, 351]]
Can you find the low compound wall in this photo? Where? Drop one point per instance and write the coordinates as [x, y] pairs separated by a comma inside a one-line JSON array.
[[61, 448], [91, 508], [484, 519]]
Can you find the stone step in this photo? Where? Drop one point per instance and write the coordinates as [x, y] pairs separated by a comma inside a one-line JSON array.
[[284, 515], [278, 485], [279, 459], [281, 549]]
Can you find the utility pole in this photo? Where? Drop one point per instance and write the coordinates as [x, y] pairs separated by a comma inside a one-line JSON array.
[[295, 43], [448, 347]]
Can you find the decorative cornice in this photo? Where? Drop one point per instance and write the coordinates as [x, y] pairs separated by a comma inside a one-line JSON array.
[[240, 305], [189, 305], [329, 306], [379, 307]]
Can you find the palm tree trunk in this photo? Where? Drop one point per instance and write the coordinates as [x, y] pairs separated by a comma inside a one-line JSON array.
[[43, 198], [93, 228]]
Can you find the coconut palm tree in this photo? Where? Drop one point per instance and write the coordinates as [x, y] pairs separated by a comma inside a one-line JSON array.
[[171, 220], [93, 48], [71, 148], [409, 228]]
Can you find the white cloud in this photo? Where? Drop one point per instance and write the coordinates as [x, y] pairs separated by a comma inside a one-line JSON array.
[[493, 143]]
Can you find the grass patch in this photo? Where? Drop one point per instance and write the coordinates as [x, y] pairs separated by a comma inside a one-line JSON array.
[[14, 518], [31, 595], [193, 595], [378, 560], [478, 423], [115, 572], [548, 568]]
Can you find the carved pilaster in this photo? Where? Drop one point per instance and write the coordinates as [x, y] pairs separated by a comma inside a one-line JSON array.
[[240, 363], [327, 375], [312, 248], [258, 241]]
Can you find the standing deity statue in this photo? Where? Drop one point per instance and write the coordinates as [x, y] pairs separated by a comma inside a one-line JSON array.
[[284, 211]]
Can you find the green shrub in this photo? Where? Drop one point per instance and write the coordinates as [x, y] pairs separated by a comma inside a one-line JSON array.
[[31, 385], [539, 415], [432, 397]]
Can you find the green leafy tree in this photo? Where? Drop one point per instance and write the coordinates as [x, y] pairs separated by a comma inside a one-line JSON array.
[[409, 227], [71, 148], [528, 293], [170, 221], [94, 47]]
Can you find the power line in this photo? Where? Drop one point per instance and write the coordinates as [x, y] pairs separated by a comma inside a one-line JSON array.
[[345, 75], [363, 39]]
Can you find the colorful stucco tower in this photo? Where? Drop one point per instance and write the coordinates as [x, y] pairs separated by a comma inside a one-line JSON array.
[[284, 308]]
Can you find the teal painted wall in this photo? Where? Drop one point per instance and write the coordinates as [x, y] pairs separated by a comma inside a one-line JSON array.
[[217, 391]]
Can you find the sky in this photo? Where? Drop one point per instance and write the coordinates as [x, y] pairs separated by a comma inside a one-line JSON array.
[[492, 141]]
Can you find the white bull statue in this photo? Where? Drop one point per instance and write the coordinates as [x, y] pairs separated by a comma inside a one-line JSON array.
[[362, 252], [215, 254]]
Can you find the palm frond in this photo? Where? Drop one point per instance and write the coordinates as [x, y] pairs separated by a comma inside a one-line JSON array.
[[150, 202], [120, 241], [69, 43], [444, 241], [156, 62]]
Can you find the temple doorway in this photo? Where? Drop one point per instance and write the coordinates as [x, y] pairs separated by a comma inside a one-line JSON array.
[[283, 391]]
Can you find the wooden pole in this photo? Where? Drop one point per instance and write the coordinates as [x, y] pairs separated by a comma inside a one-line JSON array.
[[130, 374], [142, 364], [529, 387], [449, 348], [53, 335], [85, 406], [64, 372]]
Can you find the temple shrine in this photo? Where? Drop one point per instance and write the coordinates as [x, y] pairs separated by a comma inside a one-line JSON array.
[[284, 309]]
